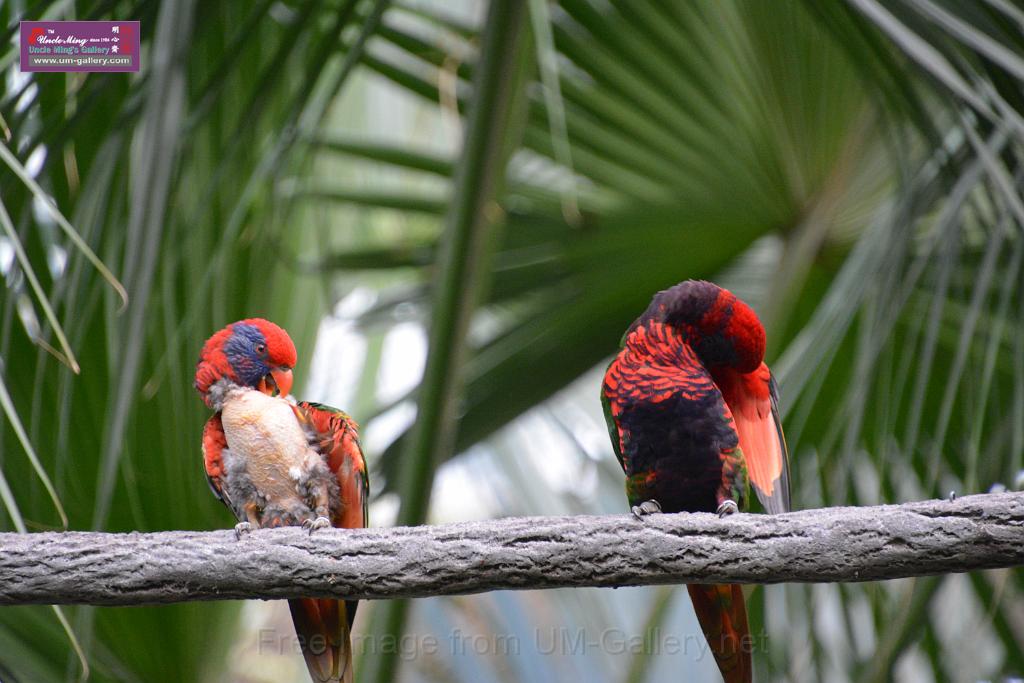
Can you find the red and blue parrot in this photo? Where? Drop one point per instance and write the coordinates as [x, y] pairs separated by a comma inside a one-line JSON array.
[[693, 416], [274, 461]]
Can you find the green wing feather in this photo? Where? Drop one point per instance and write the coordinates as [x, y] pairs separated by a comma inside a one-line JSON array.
[[613, 429]]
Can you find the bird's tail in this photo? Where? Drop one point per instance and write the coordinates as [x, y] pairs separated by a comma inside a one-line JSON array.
[[324, 631], [722, 613]]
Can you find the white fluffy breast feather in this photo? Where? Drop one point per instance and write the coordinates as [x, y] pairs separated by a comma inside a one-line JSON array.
[[263, 426], [272, 475], [264, 432]]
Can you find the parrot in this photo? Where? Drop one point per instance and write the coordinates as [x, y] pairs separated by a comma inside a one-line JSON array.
[[692, 412], [274, 461]]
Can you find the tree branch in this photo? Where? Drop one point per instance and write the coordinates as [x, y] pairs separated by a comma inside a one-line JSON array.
[[826, 545]]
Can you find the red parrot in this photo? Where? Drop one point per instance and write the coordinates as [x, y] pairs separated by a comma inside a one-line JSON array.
[[274, 461], [692, 412]]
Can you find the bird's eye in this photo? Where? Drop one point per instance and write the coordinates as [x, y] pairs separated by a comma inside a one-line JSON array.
[[261, 348]]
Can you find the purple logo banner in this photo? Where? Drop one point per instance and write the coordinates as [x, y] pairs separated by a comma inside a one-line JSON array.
[[80, 46]]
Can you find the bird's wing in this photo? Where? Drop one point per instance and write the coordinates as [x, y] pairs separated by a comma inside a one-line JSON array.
[[607, 396], [753, 399], [214, 443], [336, 438], [773, 390]]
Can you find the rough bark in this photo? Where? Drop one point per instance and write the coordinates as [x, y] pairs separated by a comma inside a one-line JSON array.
[[826, 545]]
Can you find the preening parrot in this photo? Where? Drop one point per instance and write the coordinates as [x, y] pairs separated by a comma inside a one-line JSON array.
[[274, 461], [692, 412]]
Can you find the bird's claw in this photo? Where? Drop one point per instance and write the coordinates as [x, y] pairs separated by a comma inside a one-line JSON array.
[[727, 507], [952, 496], [314, 524], [648, 507], [242, 528]]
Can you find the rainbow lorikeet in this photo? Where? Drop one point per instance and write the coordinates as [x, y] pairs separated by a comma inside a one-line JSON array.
[[274, 462], [692, 412]]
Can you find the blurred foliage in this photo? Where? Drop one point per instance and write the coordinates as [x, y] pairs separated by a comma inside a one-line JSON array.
[[851, 169]]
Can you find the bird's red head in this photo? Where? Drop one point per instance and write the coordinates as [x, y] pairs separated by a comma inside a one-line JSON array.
[[724, 331], [252, 353], [732, 320]]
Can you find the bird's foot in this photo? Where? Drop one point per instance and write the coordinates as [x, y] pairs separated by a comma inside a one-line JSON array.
[[727, 507], [314, 524], [952, 496], [242, 528], [648, 507]]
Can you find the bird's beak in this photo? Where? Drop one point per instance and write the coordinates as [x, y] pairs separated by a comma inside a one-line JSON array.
[[277, 382], [283, 378]]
